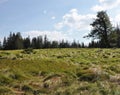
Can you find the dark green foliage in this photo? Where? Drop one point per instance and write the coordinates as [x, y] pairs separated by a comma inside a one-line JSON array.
[[15, 41], [87, 75], [115, 37], [4, 43], [101, 29], [39, 42], [4, 90], [54, 44], [18, 41], [0, 45], [64, 44], [27, 43], [75, 44], [106, 35], [45, 42], [28, 51], [4, 80], [94, 44], [27, 88]]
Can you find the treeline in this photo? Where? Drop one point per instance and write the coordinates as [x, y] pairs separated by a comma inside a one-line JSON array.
[[103, 32], [16, 41]]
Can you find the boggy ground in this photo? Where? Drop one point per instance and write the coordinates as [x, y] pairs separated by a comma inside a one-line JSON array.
[[60, 72]]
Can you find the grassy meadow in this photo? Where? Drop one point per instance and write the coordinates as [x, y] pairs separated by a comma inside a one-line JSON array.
[[60, 72]]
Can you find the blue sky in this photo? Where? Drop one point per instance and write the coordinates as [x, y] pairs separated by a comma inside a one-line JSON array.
[[58, 19]]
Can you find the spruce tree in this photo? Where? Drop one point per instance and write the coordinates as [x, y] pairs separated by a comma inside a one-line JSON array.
[[101, 28]]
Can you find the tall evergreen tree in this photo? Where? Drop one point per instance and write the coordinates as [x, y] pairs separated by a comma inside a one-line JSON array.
[[83, 45], [118, 36], [74, 44], [102, 27], [54, 44], [27, 43], [11, 41], [18, 41], [0, 45], [4, 43], [45, 41], [39, 42], [61, 45], [34, 43]]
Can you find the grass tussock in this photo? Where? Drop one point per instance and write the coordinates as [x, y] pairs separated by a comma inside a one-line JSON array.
[[60, 72]]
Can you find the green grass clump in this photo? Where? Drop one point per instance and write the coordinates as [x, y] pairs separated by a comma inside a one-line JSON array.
[[28, 51], [87, 75], [5, 91], [5, 80], [60, 72]]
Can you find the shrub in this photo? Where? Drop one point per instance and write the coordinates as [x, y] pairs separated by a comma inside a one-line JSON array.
[[19, 56], [27, 88], [14, 58], [17, 76], [4, 80], [28, 51], [4, 90], [87, 75], [51, 76]]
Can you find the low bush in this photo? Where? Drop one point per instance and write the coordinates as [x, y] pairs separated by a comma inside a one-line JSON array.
[[4, 91], [27, 88], [28, 51], [5, 80]]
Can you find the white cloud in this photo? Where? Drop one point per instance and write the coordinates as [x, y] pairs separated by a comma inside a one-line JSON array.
[[117, 18], [101, 1], [75, 21], [72, 26], [52, 35], [1, 39], [106, 5], [59, 26], [98, 8], [53, 17]]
